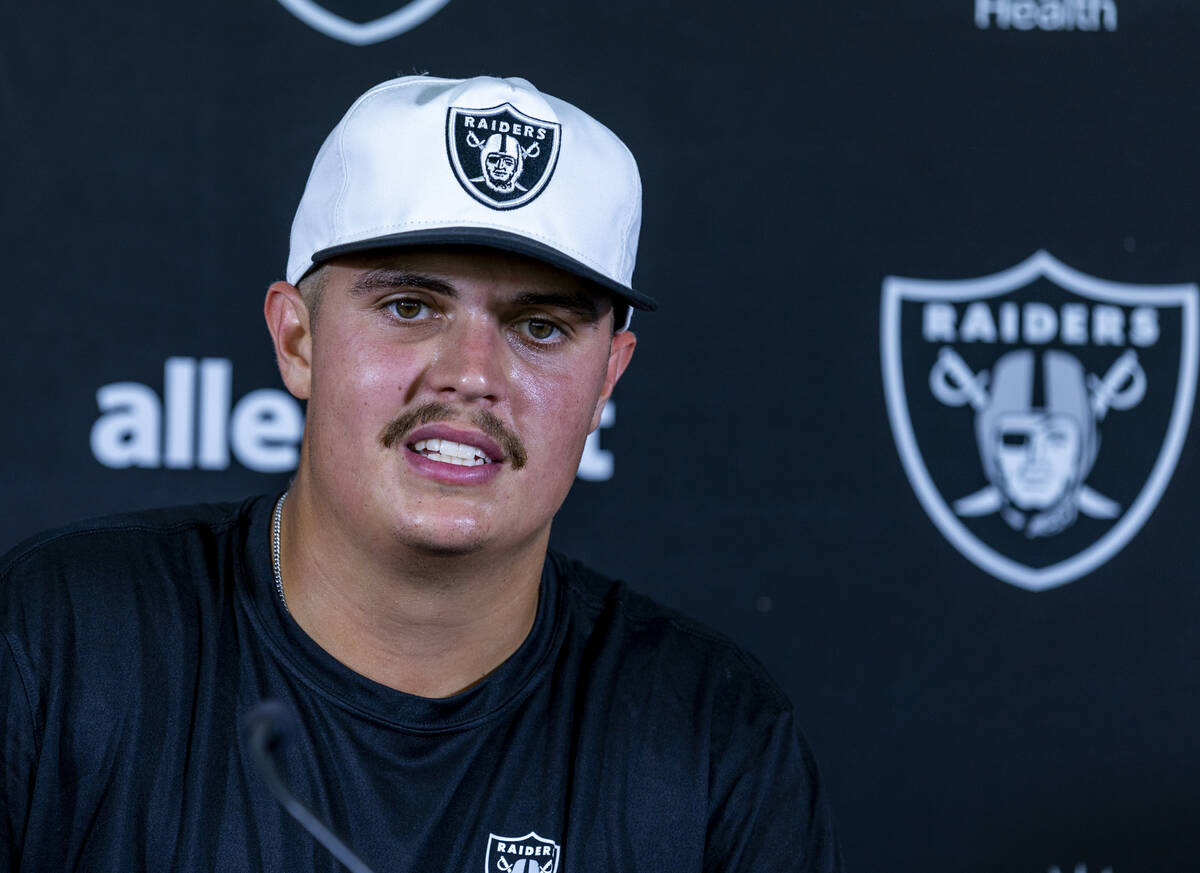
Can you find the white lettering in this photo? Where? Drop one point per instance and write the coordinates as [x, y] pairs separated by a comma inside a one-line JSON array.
[[179, 398], [985, 9], [1041, 324], [1108, 326], [1038, 323], [1010, 325], [1049, 15], [977, 324], [266, 427], [596, 464], [216, 387], [937, 323], [468, 121], [1024, 14], [127, 432], [1143, 326], [1074, 324], [1053, 16]]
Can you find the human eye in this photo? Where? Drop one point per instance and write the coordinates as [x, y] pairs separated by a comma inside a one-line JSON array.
[[408, 308], [541, 331]]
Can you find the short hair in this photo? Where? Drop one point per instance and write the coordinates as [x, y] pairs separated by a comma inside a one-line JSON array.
[[312, 288]]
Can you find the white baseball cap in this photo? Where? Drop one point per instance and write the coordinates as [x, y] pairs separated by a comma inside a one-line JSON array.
[[492, 162]]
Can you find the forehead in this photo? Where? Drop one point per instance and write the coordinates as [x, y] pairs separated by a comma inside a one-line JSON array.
[[469, 269]]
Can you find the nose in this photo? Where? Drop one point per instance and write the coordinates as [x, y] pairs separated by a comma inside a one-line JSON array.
[[469, 365]]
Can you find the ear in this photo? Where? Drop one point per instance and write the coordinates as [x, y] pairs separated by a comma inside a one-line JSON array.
[[288, 321], [619, 355]]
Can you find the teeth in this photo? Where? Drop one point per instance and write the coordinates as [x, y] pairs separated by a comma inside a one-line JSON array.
[[450, 452]]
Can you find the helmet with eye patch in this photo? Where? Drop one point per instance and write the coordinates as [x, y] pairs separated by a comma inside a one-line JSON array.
[[1019, 387]]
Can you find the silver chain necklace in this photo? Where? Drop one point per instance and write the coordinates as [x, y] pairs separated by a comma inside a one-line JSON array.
[[275, 551]]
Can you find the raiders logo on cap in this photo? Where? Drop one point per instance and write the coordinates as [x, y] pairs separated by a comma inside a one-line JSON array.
[[501, 156]]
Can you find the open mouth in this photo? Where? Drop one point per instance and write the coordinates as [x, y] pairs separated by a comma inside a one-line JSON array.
[[450, 452]]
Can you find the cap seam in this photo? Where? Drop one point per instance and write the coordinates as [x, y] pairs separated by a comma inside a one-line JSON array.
[[341, 140], [629, 213]]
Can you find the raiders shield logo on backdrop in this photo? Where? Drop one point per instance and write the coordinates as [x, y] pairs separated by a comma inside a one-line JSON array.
[[501, 156], [394, 23], [527, 854], [1039, 412]]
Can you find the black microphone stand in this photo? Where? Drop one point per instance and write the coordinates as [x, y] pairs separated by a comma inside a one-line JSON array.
[[266, 727]]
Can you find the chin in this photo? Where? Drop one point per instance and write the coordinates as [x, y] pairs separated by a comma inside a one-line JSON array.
[[444, 538]]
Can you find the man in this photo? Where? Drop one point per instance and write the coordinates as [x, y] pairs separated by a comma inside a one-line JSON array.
[[463, 697]]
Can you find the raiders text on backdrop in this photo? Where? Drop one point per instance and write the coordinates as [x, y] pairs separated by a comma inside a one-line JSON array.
[[1038, 323], [263, 428]]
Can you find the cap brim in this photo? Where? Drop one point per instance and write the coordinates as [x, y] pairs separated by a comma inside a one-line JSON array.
[[490, 238]]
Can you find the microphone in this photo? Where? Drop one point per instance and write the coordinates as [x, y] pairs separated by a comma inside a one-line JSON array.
[[268, 726]]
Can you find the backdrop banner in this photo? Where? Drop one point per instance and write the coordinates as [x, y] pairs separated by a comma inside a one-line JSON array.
[[913, 424]]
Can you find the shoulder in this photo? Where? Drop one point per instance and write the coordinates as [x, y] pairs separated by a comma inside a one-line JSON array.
[[119, 541], [98, 576], [648, 636], [692, 696]]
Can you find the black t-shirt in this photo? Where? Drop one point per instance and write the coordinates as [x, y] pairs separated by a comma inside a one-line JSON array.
[[619, 737]]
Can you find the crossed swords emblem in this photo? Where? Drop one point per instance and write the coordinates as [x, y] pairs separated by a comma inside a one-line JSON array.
[[954, 384]]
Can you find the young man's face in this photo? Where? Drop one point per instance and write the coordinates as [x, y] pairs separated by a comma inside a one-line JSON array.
[[450, 394]]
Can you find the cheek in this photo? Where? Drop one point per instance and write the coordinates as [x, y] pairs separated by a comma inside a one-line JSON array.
[[356, 384], [558, 405]]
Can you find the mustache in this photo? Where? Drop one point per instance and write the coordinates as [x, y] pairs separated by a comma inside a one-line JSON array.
[[427, 413]]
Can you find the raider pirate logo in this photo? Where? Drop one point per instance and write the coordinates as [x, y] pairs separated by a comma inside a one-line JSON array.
[[527, 854], [501, 156], [1039, 412]]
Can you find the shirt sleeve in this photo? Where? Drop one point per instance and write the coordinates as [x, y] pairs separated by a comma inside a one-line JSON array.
[[17, 746], [768, 809]]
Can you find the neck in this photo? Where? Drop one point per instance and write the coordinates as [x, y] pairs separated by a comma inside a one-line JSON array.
[[426, 624]]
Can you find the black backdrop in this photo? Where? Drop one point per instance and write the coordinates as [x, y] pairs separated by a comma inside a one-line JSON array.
[[794, 156]]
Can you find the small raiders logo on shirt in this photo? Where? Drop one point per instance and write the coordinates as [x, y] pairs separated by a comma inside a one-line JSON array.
[[527, 854], [501, 156]]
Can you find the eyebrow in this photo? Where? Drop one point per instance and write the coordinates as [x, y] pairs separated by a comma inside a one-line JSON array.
[[384, 279], [582, 304]]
